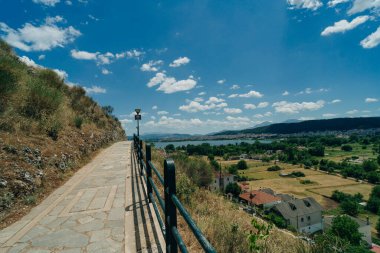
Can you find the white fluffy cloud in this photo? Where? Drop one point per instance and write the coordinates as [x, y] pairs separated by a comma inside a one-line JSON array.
[[249, 106], [94, 90], [371, 100], [262, 105], [335, 101], [285, 93], [250, 94], [343, 25], [222, 81], [372, 40], [291, 108], [162, 112], [179, 62], [333, 3], [106, 71], [169, 84], [51, 3], [99, 58], [151, 66], [352, 112], [83, 55], [38, 38], [235, 87], [154, 107], [232, 110], [305, 4], [196, 106], [329, 115], [363, 5]]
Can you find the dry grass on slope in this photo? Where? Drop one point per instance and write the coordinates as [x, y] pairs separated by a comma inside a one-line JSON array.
[[222, 222], [47, 131]]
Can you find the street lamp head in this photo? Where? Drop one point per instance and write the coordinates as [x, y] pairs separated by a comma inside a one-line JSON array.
[[138, 111]]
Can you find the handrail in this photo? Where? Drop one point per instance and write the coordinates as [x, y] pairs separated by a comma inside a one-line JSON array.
[[170, 203]]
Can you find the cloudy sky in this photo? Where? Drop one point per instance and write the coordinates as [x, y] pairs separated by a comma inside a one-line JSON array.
[[202, 66]]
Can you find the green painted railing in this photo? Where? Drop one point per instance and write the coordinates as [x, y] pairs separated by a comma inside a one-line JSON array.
[[170, 203]]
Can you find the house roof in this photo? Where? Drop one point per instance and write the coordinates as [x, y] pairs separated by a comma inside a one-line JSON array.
[[297, 207], [375, 248], [258, 197]]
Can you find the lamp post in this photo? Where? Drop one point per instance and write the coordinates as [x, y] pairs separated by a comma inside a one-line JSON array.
[[138, 118]]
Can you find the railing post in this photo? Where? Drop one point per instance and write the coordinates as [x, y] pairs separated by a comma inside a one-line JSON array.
[[141, 156], [170, 209], [148, 153]]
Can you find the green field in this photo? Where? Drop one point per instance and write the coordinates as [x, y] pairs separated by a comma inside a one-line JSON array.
[[337, 155]]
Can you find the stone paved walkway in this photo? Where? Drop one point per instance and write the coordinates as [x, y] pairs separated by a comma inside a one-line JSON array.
[[102, 208]]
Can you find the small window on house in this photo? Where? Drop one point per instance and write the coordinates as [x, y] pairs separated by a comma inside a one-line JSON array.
[[228, 179], [308, 218], [215, 180], [301, 219]]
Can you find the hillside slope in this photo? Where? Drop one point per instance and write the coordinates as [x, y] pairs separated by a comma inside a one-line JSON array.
[[338, 124], [47, 130]]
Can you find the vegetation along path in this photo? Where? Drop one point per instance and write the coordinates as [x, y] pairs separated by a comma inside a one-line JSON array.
[[102, 208]]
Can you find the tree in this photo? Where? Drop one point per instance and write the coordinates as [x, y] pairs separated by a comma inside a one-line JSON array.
[[347, 229], [215, 165], [317, 150], [233, 188], [373, 203], [373, 177], [169, 148], [378, 159], [350, 207], [233, 169], [346, 148], [378, 226], [242, 165], [370, 165]]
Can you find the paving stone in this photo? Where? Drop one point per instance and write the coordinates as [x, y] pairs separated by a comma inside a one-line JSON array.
[[77, 250], [116, 214], [35, 232], [90, 226], [86, 219], [18, 247], [117, 234], [100, 235], [62, 238], [114, 223], [38, 251]]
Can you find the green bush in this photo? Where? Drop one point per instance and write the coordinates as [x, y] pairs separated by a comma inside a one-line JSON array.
[[306, 181], [6, 201], [274, 168], [242, 165], [78, 121], [297, 174], [346, 148], [53, 127], [30, 200], [41, 100], [233, 188], [8, 81], [5, 47], [51, 79]]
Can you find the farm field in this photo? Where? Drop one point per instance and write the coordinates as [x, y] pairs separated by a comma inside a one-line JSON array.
[[322, 184], [337, 155]]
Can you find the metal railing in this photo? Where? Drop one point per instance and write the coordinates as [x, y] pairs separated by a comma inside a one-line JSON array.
[[170, 203]]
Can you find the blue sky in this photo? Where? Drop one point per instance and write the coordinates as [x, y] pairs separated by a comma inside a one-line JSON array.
[[204, 66]]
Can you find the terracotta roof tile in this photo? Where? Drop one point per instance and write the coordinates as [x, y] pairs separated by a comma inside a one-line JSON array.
[[258, 197]]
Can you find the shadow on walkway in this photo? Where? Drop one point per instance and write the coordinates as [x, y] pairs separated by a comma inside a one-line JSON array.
[[146, 232]]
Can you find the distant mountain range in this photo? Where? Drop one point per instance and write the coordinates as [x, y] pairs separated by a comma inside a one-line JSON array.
[[321, 125]]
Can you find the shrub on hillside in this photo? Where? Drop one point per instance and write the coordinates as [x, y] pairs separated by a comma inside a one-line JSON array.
[[297, 174], [41, 100], [234, 189], [274, 168], [8, 81], [346, 148], [51, 79], [78, 121], [242, 165]]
